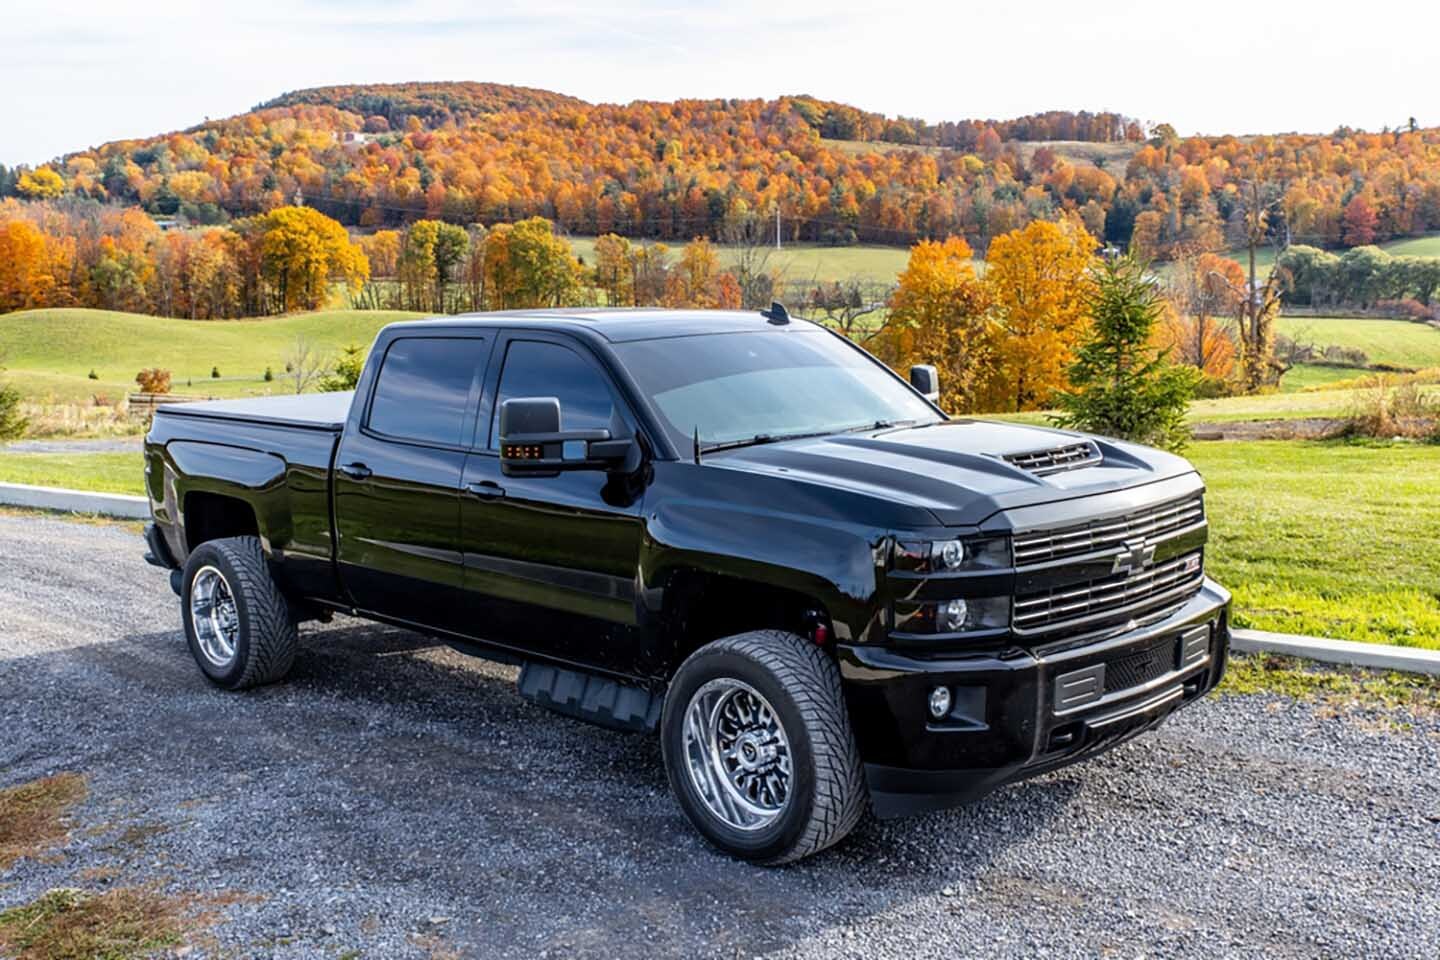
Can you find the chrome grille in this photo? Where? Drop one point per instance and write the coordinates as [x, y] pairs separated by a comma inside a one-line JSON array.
[[1150, 524], [1069, 457], [1117, 597]]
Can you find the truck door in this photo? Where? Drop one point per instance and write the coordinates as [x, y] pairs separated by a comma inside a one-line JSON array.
[[551, 562], [397, 480]]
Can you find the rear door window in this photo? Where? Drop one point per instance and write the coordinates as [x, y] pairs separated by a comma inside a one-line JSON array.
[[423, 391]]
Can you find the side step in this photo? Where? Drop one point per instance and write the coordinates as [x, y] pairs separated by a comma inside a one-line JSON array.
[[597, 700]]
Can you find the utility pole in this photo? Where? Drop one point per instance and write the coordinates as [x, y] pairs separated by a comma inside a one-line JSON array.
[[777, 225]]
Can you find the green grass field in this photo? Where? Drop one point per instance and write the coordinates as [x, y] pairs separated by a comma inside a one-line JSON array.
[[1302, 376], [802, 262], [102, 472], [49, 353], [1328, 539], [1414, 247]]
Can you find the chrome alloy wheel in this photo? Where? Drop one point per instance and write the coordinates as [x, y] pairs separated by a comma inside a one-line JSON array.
[[737, 754], [213, 616]]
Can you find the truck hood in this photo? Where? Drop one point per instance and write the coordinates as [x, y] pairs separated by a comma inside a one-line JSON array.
[[957, 470]]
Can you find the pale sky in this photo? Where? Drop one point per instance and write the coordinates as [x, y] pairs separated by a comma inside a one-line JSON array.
[[101, 71]]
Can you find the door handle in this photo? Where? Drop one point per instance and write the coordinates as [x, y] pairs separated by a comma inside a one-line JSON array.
[[486, 490], [355, 471]]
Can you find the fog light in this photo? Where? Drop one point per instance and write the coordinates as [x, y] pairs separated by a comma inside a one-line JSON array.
[[952, 615], [939, 702]]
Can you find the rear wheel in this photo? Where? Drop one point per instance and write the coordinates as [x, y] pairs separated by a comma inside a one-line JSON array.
[[238, 624], [759, 750]]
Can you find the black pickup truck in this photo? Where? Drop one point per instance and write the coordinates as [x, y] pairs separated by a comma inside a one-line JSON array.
[[735, 529]]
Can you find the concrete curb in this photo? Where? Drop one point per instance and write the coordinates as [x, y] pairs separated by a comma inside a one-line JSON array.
[[1377, 656], [75, 501]]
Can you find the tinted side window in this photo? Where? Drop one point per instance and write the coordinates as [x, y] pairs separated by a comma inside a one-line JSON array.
[[537, 369], [424, 389]]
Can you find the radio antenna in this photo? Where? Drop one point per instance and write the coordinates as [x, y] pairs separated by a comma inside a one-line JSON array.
[[697, 443]]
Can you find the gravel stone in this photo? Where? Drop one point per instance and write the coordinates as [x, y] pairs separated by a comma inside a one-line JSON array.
[[398, 799]]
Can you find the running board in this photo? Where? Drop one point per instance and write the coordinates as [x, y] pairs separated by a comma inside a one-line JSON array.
[[584, 696]]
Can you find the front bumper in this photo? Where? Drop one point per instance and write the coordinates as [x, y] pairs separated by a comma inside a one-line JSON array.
[[1023, 713]]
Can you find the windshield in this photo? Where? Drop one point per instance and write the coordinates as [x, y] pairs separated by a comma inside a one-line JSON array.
[[740, 386]]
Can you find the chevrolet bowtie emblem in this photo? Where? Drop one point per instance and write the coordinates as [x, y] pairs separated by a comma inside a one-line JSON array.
[[1136, 556]]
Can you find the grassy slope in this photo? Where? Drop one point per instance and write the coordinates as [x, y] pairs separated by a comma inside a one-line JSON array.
[[1330, 539], [1399, 342], [49, 352]]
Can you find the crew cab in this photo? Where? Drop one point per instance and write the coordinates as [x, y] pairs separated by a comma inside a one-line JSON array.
[[735, 530]]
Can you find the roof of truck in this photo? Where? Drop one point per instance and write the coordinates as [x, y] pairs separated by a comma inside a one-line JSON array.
[[620, 324]]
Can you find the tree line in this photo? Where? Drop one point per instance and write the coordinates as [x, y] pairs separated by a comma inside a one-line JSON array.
[[77, 253], [1365, 277], [380, 157]]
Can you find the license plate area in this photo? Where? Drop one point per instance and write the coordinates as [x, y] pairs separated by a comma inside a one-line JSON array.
[[1131, 672]]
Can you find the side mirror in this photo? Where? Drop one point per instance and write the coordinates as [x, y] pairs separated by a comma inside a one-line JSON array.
[[926, 379], [532, 443]]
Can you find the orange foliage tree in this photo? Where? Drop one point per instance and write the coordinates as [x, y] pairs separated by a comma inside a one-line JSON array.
[[1204, 297], [1038, 280]]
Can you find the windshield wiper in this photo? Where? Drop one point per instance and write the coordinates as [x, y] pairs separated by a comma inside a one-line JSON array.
[[879, 425], [759, 439]]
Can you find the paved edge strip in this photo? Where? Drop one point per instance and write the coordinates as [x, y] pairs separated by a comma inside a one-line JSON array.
[[1376, 656], [75, 501]]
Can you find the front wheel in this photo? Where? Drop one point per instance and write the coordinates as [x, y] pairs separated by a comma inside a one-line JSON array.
[[758, 747], [238, 624]]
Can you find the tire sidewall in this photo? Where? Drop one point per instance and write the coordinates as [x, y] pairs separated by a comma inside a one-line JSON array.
[[775, 839], [212, 554]]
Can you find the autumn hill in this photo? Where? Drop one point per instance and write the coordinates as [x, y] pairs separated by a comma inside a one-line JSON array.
[[384, 155]]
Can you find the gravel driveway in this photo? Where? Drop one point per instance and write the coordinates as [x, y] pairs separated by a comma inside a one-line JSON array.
[[397, 799]]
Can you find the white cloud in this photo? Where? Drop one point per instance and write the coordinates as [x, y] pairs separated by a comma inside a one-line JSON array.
[[1227, 66]]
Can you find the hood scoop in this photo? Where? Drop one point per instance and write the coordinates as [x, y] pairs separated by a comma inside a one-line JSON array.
[[1072, 456]]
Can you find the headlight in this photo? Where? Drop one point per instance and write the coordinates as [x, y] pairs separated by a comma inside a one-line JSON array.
[[952, 556]]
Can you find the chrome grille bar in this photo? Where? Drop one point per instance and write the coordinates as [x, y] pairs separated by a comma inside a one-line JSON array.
[[1149, 524], [1120, 595]]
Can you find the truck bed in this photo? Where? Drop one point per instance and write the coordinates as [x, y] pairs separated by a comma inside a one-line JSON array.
[[315, 411]]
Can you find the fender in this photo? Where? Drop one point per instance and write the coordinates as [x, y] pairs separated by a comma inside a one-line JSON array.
[[702, 523], [252, 476]]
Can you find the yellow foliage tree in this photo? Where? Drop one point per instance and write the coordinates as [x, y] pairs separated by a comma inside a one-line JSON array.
[[937, 316], [301, 251], [526, 265], [615, 270], [1039, 280], [696, 281], [42, 184]]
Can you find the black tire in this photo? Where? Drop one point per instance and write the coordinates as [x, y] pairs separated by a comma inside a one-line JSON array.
[[827, 795], [265, 637]]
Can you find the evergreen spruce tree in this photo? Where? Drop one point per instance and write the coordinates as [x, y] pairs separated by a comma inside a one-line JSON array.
[[12, 424], [1121, 386]]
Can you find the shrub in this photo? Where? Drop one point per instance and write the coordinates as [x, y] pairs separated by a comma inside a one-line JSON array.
[[269, 375], [1407, 309], [347, 371], [153, 380], [1388, 409], [215, 373], [93, 375]]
